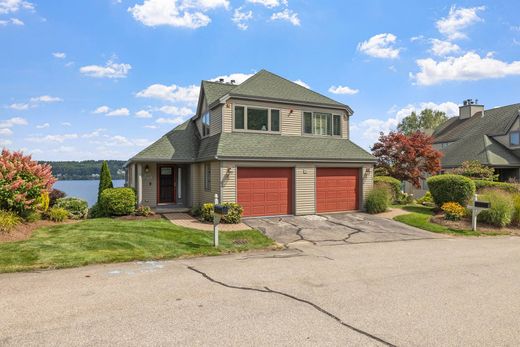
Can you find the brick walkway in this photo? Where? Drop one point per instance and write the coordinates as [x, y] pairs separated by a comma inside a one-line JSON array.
[[187, 221]]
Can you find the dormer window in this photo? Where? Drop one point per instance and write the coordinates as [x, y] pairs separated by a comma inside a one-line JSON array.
[[205, 124], [514, 138], [257, 119]]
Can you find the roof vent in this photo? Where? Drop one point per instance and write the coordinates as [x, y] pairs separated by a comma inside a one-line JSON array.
[[221, 80], [469, 108], [232, 81]]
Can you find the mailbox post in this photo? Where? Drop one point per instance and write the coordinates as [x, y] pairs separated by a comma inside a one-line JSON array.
[[218, 212], [476, 208]]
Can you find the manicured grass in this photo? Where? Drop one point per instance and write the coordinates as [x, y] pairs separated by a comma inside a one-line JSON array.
[[111, 240], [419, 217]]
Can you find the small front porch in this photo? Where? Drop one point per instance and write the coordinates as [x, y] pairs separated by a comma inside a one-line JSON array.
[[163, 186]]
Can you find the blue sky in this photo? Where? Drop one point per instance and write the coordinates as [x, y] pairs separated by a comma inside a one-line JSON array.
[[101, 79]]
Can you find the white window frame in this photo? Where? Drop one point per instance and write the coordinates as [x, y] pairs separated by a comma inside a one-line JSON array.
[[207, 177], [269, 109], [313, 113]]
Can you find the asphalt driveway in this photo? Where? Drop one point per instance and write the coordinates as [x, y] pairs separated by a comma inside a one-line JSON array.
[[369, 283], [337, 228]]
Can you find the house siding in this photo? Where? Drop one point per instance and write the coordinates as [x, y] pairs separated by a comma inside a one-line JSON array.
[[504, 139], [215, 124], [305, 189], [150, 186], [200, 195], [291, 122]]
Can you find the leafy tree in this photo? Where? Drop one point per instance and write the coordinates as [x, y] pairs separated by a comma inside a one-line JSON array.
[[407, 157], [427, 119], [475, 170], [22, 181], [105, 179]]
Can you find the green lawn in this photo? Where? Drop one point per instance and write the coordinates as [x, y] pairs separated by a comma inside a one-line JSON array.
[[111, 240], [419, 217]]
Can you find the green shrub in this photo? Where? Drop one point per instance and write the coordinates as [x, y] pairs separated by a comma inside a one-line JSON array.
[[515, 218], [507, 187], [377, 201], [8, 221], [105, 180], [32, 216], [117, 201], [57, 214], [502, 209], [451, 188], [393, 183], [404, 198], [196, 210], [233, 216], [54, 195], [78, 208], [96, 211], [425, 199], [144, 211]]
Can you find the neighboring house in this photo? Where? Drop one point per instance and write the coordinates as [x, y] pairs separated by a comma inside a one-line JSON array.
[[490, 136], [269, 144]]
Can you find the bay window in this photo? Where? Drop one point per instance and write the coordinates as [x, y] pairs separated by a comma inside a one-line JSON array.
[[319, 123], [256, 119]]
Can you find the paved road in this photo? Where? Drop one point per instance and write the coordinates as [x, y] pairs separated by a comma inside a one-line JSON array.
[[421, 292]]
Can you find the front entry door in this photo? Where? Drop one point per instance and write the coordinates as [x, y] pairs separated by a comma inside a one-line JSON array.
[[166, 184]]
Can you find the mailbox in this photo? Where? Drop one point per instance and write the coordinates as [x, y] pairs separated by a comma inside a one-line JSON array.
[[482, 204], [221, 209]]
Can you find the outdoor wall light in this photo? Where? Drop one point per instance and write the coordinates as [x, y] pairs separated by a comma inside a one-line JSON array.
[[146, 168]]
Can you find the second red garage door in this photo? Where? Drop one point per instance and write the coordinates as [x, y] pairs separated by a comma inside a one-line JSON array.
[[265, 191], [336, 189]]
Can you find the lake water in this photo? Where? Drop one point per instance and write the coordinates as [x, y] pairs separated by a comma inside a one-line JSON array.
[[84, 189]]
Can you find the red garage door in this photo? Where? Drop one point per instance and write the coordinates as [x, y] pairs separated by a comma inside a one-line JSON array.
[[336, 189], [265, 191]]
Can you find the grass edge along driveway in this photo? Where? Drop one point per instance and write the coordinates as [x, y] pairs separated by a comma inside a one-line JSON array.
[[107, 240], [420, 217]]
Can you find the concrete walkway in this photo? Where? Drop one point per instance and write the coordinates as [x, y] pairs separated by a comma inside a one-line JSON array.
[[188, 221]]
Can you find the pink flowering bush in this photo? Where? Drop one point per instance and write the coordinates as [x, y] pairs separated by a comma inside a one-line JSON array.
[[22, 181]]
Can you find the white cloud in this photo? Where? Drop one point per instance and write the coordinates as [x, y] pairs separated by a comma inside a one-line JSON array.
[[12, 6], [66, 124], [123, 141], [43, 126], [173, 92], [102, 109], [443, 48], [8, 123], [185, 13], [241, 18], [95, 133], [19, 106], [237, 77], [175, 120], [457, 20], [287, 15], [380, 46], [343, 90], [6, 132], [151, 126], [5, 142], [123, 111], [45, 99], [268, 3], [110, 70], [367, 131], [143, 114], [13, 21], [59, 138], [176, 111], [59, 55], [303, 84], [467, 67]]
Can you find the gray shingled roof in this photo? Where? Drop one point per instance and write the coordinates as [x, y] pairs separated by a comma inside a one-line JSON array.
[[271, 146], [471, 139], [179, 144], [215, 90], [266, 85]]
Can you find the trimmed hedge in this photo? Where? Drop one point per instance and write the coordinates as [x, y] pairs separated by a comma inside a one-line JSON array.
[[117, 201], [393, 183], [377, 201], [451, 188], [78, 208], [508, 187]]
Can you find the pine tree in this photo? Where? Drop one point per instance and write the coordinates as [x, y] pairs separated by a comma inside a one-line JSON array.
[[105, 179]]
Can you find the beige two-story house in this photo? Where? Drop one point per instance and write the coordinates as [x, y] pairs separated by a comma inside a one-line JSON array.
[[269, 144]]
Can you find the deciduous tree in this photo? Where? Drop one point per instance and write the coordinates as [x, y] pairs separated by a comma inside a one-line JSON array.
[[407, 157], [427, 119]]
